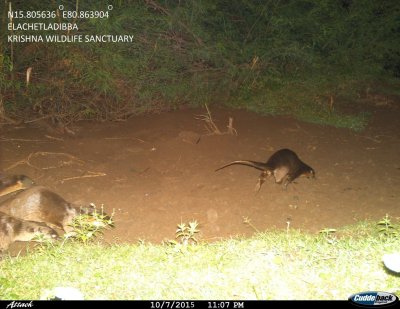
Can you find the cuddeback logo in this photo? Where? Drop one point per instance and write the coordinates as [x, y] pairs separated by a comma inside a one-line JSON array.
[[373, 298]]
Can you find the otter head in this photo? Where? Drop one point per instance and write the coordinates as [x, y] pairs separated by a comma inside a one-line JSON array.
[[24, 182], [43, 232], [33, 231], [10, 184], [310, 173], [95, 216]]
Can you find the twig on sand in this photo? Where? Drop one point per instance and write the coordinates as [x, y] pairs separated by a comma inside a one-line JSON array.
[[89, 174], [231, 129], [212, 128], [54, 138], [117, 138], [3, 139], [27, 160]]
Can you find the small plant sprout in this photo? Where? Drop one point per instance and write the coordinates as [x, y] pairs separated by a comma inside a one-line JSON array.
[[288, 220], [387, 229], [328, 234], [186, 233], [247, 220]]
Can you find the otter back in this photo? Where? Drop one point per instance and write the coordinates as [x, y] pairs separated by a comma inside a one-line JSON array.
[[287, 166], [14, 229], [42, 205]]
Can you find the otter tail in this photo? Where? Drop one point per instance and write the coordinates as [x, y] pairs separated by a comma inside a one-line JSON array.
[[258, 165]]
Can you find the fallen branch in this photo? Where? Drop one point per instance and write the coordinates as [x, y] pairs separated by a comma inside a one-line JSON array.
[[88, 175], [3, 139], [27, 160], [54, 138], [212, 128], [118, 138], [231, 129]]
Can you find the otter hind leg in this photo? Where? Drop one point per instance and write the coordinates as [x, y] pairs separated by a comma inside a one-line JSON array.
[[286, 182], [261, 180]]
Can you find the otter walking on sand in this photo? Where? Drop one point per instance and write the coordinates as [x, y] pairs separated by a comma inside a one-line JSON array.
[[42, 205], [14, 229], [284, 164]]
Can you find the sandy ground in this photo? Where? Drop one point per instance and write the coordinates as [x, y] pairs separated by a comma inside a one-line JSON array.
[[156, 171]]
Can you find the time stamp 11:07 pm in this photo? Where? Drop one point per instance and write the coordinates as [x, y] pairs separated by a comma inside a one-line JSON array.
[[196, 304]]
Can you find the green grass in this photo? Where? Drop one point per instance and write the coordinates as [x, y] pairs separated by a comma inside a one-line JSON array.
[[279, 58], [271, 265]]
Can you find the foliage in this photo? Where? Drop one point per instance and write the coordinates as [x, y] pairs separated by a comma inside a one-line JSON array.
[[186, 232], [185, 235], [283, 265], [387, 229], [87, 226], [328, 234], [277, 57]]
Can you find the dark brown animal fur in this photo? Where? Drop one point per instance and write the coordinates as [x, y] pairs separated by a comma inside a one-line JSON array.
[[42, 205], [13, 183], [284, 164], [14, 229]]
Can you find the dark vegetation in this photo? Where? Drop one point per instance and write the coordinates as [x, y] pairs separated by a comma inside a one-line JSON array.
[[298, 57]]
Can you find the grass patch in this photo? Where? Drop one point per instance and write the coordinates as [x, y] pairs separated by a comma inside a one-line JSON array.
[[272, 265], [289, 57]]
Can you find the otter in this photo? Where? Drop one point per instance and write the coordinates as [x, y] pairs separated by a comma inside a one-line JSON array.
[[42, 205], [284, 164], [14, 229], [13, 183]]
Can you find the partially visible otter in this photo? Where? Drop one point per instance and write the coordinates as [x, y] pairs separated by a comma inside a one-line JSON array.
[[42, 205], [14, 229], [284, 164], [13, 183]]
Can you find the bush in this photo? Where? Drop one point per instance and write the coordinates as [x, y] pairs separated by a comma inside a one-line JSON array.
[[274, 57]]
